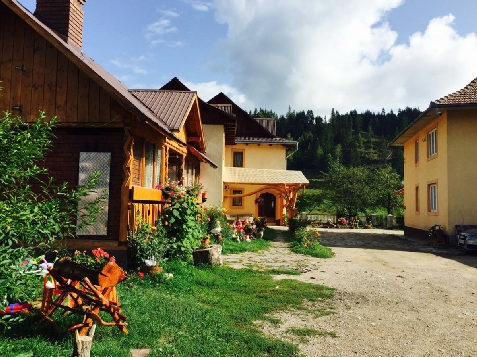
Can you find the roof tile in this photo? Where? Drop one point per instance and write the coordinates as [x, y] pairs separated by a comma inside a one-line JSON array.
[[467, 95], [172, 107]]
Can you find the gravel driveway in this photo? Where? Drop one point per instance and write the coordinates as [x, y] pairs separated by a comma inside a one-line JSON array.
[[394, 296]]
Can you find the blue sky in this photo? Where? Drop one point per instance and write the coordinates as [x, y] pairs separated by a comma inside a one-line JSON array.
[[275, 54]]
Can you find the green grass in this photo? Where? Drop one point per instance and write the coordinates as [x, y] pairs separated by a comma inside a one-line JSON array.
[[315, 250], [256, 245], [281, 271], [201, 311]]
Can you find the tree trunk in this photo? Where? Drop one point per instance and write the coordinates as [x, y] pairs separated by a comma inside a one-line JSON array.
[[211, 255], [83, 344]]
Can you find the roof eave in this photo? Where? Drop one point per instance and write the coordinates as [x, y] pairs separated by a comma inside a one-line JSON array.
[[75, 56], [413, 128]]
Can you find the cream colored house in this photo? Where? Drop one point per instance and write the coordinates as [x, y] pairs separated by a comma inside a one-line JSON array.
[[440, 154], [251, 179]]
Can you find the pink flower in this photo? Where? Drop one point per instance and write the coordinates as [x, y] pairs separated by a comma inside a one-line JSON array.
[[141, 275], [112, 259]]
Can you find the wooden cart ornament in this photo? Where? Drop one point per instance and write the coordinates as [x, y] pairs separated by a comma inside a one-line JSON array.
[[89, 291]]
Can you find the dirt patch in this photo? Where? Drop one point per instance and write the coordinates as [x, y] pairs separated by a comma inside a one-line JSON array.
[[394, 297]]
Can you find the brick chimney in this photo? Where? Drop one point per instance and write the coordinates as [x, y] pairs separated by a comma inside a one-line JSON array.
[[65, 17]]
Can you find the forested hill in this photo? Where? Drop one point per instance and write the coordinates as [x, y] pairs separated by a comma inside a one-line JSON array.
[[352, 139]]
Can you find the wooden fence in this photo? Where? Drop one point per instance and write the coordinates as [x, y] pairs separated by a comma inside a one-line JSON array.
[[378, 221]]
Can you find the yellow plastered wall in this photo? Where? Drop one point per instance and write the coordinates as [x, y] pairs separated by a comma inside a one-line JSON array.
[[249, 208], [462, 157], [211, 178], [261, 156], [426, 171]]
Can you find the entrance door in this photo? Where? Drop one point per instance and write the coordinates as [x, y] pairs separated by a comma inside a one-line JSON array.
[[268, 208]]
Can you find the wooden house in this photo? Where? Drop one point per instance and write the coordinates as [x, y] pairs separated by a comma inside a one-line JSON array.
[[251, 179], [440, 149], [136, 139]]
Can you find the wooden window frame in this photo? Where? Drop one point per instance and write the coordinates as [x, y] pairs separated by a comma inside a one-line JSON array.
[[243, 157], [142, 164], [234, 198], [430, 209], [432, 134]]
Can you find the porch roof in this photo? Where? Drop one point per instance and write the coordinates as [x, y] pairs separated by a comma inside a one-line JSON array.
[[263, 176], [201, 156]]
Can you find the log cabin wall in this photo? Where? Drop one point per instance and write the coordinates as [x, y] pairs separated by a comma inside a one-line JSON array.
[[36, 76], [63, 165]]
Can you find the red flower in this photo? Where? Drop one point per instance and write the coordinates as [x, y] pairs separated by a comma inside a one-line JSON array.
[[112, 259], [141, 275]]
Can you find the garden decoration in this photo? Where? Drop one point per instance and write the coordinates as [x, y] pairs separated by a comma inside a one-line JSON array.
[[436, 233], [259, 201], [89, 290]]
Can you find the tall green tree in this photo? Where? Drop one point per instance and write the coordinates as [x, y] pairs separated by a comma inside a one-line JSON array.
[[348, 188], [354, 190]]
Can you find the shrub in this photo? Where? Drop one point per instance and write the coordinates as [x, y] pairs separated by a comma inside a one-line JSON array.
[[294, 224], [214, 214], [146, 243], [181, 219], [307, 237], [32, 217]]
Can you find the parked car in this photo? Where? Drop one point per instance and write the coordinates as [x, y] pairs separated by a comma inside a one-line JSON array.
[[468, 239]]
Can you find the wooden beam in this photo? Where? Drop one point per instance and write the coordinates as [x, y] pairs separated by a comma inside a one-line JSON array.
[[146, 195]]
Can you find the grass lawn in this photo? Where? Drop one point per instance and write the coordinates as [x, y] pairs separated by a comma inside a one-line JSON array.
[[200, 311]]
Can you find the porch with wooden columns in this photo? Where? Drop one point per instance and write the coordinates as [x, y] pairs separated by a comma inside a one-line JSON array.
[[288, 192]]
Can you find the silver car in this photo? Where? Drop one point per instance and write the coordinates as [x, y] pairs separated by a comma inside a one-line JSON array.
[[468, 239]]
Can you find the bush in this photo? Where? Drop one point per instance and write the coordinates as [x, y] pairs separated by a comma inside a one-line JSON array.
[[181, 219], [214, 214], [146, 243], [308, 242], [294, 224], [307, 237], [32, 217]]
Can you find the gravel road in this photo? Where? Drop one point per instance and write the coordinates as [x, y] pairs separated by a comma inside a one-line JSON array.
[[394, 296]]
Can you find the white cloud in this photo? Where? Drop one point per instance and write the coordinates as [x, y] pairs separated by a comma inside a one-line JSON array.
[[160, 27], [208, 90], [338, 54], [200, 5], [168, 13], [129, 66]]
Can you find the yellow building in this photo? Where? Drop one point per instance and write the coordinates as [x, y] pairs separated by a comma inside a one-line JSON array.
[[440, 149], [251, 179]]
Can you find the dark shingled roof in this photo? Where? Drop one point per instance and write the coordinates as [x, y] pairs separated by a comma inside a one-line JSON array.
[[209, 113], [172, 107], [467, 95]]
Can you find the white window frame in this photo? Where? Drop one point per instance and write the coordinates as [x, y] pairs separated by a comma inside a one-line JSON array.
[[432, 142], [433, 197]]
